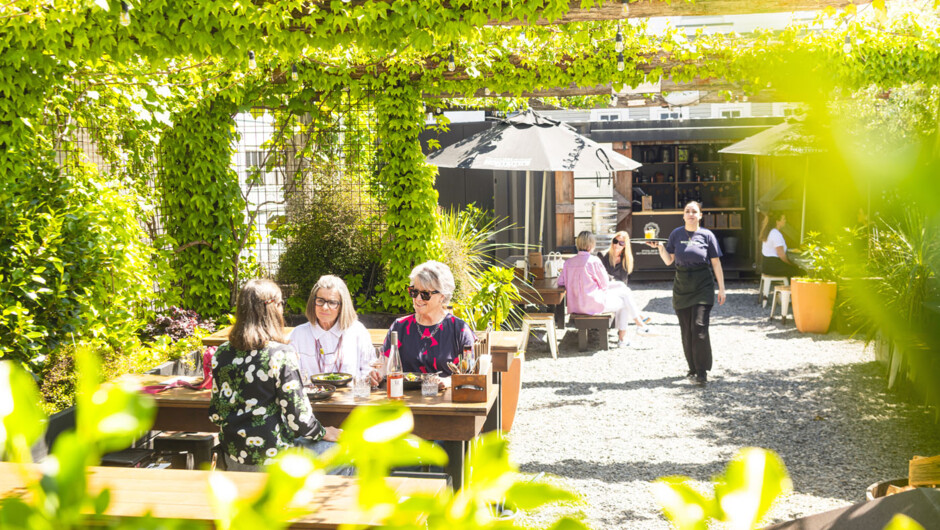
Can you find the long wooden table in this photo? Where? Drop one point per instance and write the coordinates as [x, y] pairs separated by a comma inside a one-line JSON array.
[[181, 494], [503, 346], [546, 292], [435, 418]]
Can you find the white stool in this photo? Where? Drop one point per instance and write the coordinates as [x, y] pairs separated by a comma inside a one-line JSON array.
[[766, 282], [784, 292], [546, 320]]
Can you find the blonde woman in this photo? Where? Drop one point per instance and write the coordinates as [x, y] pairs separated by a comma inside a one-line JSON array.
[[618, 261], [333, 339], [588, 291]]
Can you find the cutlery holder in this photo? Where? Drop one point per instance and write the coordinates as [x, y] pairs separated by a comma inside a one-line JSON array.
[[469, 388]]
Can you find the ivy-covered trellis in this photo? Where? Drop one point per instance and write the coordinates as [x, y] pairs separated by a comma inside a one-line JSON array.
[[167, 74]]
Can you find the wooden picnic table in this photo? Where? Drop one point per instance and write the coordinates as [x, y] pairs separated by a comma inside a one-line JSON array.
[[546, 292], [435, 418], [502, 346], [181, 494]]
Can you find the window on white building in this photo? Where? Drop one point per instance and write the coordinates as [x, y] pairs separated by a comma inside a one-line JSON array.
[[675, 113], [731, 110]]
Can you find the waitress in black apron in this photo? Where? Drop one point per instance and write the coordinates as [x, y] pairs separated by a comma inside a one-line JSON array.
[[693, 249]]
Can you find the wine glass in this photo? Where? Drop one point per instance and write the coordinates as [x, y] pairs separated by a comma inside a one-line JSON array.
[[378, 362]]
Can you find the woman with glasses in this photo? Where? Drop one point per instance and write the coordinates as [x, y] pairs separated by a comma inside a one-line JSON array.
[[333, 339], [258, 398], [588, 290], [618, 262], [432, 336]]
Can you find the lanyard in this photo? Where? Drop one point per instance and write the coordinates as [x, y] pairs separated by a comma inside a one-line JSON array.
[[319, 354]]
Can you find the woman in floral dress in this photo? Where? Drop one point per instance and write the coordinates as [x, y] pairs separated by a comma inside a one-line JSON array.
[[258, 399]]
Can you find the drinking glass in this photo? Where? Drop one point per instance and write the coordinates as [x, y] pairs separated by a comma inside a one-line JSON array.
[[378, 362], [429, 384], [361, 387]]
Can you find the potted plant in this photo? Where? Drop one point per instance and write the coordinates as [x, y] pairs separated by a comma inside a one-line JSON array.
[[813, 296], [489, 307]]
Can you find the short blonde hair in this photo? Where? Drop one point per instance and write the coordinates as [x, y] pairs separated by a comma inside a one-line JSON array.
[[585, 241], [626, 259], [259, 316], [347, 313], [435, 276]]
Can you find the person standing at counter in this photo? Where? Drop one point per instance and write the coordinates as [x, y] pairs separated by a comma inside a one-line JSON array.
[[774, 248], [696, 254]]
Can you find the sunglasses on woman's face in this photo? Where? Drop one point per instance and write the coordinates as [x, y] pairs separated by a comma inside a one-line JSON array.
[[329, 304], [620, 242], [425, 295]]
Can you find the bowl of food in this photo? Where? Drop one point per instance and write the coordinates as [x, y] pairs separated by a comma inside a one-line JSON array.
[[320, 392], [412, 381], [336, 379]]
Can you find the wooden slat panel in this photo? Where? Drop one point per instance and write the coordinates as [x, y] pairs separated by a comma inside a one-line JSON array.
[[564, 217]]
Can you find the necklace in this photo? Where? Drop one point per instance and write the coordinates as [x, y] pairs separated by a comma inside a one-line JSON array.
[[320, 354]]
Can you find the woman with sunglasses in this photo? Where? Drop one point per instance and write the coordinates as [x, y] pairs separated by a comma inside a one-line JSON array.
[[258, 398], [333, 339], [588, 290], [432, 336], [618, 261]]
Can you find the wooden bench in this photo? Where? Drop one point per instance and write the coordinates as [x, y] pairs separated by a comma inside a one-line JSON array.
[[180, 494], [583, 323]]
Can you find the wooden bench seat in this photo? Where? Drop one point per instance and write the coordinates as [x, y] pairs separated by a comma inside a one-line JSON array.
[[583, 323]]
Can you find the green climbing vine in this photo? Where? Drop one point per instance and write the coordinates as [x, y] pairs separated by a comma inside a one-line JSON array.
[[405, 185], [203, 206]]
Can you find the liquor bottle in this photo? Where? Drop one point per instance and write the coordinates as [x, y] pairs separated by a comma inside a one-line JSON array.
[[395, 377]]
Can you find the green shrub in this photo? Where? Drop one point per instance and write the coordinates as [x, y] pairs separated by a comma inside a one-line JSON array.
[[73, 263], [329, 237]]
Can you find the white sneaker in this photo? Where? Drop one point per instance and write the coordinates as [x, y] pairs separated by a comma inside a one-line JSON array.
[[624, 343], [645, 330]]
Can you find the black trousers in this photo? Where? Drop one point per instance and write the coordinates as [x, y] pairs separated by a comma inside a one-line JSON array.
[[777, 267], [693, 322]]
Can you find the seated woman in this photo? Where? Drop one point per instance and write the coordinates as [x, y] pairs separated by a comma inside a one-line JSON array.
[[432, 336], [586, 286], [774, 248], [333, 340], [258, 399], [618, 262]]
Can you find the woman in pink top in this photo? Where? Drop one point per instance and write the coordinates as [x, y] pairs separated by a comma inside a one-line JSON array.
[[588, 290]]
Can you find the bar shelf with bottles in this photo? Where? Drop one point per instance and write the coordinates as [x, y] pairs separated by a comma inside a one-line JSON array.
[[675, 174]]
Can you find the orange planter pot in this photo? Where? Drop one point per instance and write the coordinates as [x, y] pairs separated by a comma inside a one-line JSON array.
[[512, 384], [812, 305]]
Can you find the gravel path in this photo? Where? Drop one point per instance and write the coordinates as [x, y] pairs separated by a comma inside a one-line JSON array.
[[606, 423]]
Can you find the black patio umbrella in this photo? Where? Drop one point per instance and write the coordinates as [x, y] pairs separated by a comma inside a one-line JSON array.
[[531, 142], [920, 504]]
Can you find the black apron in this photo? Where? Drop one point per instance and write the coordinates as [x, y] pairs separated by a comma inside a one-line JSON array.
[[693, 286]]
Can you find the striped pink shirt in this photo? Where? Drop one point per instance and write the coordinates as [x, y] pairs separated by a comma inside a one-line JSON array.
[[585, 281]]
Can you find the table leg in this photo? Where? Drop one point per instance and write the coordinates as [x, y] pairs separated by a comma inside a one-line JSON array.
[[559, 310], [494, 420], [456, 452]]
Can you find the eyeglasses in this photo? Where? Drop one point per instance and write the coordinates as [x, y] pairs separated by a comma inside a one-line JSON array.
[[329, 304], [425, 295], [621, 242]]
